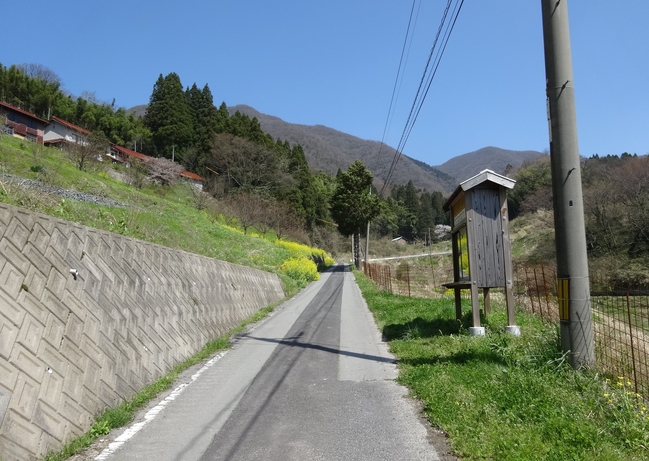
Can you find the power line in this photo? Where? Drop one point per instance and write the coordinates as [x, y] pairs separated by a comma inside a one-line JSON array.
[[426, 79], [440, 54], [396, 80]]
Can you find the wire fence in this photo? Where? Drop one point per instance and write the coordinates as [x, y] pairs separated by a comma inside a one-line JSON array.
[[418, 280], [620, 314], [621, 331]]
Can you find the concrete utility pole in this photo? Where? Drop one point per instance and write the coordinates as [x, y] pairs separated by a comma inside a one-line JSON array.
[[572, 263], [367, 244]]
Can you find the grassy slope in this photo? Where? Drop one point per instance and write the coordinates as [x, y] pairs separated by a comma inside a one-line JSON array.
[[166, 216]]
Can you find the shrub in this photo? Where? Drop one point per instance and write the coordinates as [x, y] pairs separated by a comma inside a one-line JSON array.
[[302, 270], [297, 250]]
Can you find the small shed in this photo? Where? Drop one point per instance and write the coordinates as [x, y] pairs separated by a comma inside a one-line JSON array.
[[481, 245]]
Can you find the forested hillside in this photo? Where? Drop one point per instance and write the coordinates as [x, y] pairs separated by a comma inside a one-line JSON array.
[[616, 205], [330, 150], [258, 178]]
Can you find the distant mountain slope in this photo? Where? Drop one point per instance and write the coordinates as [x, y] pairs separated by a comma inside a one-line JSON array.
[[138, 111], [467, 165], [328, 150]]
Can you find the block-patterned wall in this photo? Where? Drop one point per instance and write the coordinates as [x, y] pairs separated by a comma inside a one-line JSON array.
[[87, 318]]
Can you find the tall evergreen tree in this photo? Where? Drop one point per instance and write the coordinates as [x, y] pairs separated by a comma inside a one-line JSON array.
[[205, 123], [440, 216], [222, 119], [352, 207], [425, 217], [408, 213], [168, 116], [248, 128], [299, 169]]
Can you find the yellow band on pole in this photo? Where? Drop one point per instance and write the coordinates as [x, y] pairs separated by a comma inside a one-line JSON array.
[[563, 295]]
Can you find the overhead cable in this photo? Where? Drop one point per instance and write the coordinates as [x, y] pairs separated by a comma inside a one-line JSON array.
[[399, 69], [444, 31]]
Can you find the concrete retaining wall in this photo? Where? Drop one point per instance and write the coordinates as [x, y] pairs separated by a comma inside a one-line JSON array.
[[87, 318]]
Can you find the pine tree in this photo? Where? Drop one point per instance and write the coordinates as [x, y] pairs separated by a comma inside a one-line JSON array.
[[409, 210], [425, 217], [168, 116], [205, 123], [223, 119], [440, 216]]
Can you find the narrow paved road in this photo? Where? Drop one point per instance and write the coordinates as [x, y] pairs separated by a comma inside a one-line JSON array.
[[312, 382]]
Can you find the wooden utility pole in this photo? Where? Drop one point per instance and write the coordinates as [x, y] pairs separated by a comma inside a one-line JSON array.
[[570, 234]]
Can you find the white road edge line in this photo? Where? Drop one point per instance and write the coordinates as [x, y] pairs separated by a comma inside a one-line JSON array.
[[153, 412]]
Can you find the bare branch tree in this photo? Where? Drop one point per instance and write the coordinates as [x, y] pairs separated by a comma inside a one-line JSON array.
[[89, 152], [281, 219], [201, 198], [40, 72], [243, 164], [137, 172], [249, 209]]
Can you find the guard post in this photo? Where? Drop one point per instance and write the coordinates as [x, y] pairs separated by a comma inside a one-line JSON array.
[[481, 245]]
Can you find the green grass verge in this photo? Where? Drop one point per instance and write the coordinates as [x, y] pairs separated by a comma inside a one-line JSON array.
[[501, 397]]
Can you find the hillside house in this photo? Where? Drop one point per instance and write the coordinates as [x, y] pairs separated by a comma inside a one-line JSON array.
[[59, 131], [21, 124], [192, 178], [119, 154]]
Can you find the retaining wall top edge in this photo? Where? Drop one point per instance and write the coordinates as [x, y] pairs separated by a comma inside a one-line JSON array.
[[15, 209]]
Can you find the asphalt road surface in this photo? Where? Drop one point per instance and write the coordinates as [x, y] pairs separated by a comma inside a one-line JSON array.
[[311, 382]]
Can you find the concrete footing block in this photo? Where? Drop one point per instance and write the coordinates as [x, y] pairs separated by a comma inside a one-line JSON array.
[[513, 330], [476, 331]]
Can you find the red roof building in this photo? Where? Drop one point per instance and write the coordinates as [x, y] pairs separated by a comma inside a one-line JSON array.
[[121, 154], [21, 124]]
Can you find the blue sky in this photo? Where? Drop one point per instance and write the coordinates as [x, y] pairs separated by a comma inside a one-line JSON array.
[[334, 63]]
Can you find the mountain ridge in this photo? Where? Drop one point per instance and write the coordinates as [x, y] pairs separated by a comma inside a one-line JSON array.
[[329, 150], [494, 158]]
